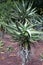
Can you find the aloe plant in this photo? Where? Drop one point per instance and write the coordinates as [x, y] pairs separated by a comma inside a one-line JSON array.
[[23, 29], [24, 34], [23, 11]]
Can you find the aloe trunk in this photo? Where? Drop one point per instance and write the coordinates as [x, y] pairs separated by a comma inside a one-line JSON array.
[[25, 53]]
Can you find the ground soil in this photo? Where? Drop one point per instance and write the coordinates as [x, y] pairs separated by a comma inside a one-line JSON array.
[[12, 58]]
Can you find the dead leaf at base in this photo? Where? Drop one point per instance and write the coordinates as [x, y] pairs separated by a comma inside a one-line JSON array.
[[12, 54]]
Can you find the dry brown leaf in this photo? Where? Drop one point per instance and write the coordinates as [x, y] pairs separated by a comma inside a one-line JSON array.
[[2, 52], [12, 54]]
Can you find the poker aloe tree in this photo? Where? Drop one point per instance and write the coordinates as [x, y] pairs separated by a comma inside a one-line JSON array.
[[26, 21], [24, 35], [23, 29]]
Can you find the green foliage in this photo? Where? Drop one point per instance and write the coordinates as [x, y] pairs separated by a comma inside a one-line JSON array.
[[26, 19], [24, 33], [10, 48], [1, 1], [23, 29], [5, 10], [1, 44], [23, 11]]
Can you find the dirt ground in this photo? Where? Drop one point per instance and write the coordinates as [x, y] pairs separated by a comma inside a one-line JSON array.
[[12, 58]]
